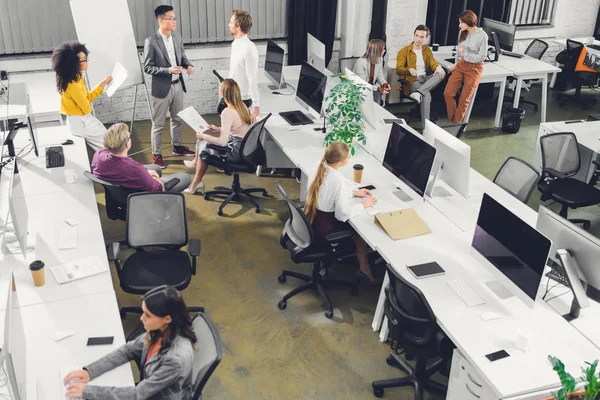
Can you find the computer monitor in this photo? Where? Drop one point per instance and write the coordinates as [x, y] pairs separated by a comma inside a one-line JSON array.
[[454, 156], [311, 88], [274, 65], [18, 216], [409, 157], [367, 108], [505, 32], [315, 53], [14, 352], [516, 249], [582, 245], [33, 136]]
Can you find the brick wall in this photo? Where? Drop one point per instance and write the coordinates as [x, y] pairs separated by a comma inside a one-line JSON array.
[[202, 86]]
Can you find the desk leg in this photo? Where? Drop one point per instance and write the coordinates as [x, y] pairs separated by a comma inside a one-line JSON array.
[[470, 107], [376, 325], [544, 96], [553, 81], [499, 106], [303, 187], [518, 92], [385, 330]]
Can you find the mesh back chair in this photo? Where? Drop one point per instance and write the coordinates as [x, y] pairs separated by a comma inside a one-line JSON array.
[[115, 196], [578, 79], [517, 177], [347, 62], [209, 352], [304, 247], [413, 328], [560, 162], [156, 228], [536, 49], [252, 155]]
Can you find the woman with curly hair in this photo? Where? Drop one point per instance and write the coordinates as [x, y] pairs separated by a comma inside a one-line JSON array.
[[69, 60]]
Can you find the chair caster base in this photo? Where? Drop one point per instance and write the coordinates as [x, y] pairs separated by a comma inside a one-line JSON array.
[[378, 392], [282, 305], [329, 314]]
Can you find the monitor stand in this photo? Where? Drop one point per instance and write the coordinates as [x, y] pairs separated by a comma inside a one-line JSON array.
[[403, 196], [580, 300], [282, 85], [499, 289], [435, 171]]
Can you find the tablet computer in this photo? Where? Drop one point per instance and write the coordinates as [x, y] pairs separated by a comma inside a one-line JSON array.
[[426, 270]]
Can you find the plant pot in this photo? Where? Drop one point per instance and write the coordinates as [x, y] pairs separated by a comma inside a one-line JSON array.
[[578, 395]]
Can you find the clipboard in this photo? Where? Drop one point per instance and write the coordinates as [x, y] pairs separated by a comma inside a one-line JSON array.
[[402, 224]]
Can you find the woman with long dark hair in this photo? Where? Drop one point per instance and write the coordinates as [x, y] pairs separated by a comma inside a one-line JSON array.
[[69, 60], [235, 121], [472, 51], [370, 69], [328, 203], [165, 354]]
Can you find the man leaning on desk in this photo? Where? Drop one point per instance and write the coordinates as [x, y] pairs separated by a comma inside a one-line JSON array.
[[416, 64]]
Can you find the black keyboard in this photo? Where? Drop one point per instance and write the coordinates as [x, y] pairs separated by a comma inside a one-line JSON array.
[[558, 277], [55, 157], [511, 54]]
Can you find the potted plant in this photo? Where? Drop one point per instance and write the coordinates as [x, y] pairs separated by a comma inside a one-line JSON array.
[[592, 384], [343, 112]]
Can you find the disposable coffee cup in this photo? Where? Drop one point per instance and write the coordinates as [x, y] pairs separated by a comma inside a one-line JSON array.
[[358, 172], [435, 47], [37, 273], [70, 176]]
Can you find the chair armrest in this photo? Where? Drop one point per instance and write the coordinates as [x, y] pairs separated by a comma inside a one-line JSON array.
[[112, 251], [194, 247], [171, 184], [194, 250], [555, 173], [338, 236], [596, 163], [220, 149]]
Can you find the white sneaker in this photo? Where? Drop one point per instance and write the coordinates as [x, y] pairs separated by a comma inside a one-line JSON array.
[[188, 163], [416, 96]]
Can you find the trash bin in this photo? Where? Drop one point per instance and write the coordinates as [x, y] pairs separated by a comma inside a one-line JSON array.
[[511, 119]]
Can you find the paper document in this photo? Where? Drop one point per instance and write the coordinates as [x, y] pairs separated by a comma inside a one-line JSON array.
[[119, 74], [191, 117]]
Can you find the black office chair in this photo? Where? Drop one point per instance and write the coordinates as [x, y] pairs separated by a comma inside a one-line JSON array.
[[536, 49], [413, 113], [455, 130], [578, 79], [304, 247], [413, 328], [252, 155], [347, 62], [156, 228], [517, 177], [115, 196], [208, 354], [561, 161]]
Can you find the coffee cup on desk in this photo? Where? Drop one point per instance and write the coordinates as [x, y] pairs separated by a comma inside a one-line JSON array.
[[358, 171], [70, 176], [37, 273], [435, 47]]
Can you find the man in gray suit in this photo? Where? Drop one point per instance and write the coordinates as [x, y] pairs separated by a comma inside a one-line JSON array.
[[164, 59]]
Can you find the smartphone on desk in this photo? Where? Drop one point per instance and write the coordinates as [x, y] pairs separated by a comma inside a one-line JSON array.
[[96, 341], [498, 355], [368, 187]]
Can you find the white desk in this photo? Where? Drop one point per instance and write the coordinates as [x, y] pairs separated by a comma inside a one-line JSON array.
[[87, 316], [528, 68], [588, 138], [512, 376]]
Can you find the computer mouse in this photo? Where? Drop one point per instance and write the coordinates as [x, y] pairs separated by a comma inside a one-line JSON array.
[[488, 316], [66, 142]]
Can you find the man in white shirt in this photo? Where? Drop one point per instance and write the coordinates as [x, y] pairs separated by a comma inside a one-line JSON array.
[[165, 60], [416, 64], [243, 64]]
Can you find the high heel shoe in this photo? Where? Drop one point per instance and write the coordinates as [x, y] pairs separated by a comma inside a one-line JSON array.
[[198, 188]]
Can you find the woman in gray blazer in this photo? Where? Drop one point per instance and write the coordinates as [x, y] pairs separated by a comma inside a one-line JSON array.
[[165, 355], [370, 68]]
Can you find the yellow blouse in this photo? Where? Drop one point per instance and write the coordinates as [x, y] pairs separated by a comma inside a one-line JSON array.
[[76, 100]]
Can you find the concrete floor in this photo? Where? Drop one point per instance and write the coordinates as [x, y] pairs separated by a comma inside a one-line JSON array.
[[298, 353]]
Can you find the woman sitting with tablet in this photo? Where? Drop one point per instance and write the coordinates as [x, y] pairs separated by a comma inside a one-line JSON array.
[[165, 354], [328, 205]]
